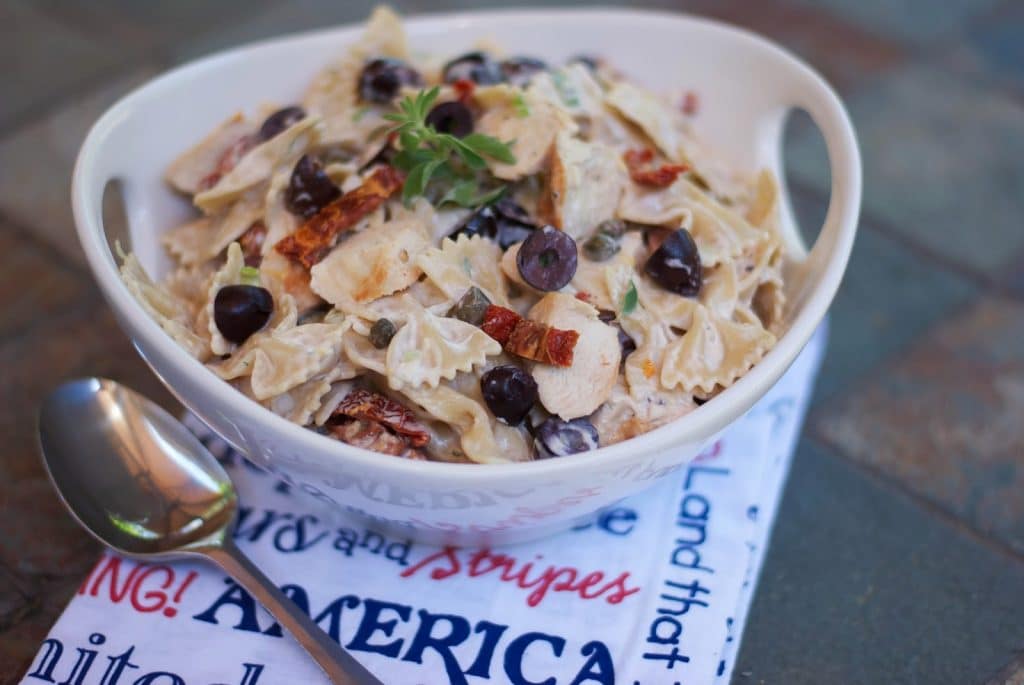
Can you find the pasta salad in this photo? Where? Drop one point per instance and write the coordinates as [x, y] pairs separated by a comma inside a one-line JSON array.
[[484, 259]]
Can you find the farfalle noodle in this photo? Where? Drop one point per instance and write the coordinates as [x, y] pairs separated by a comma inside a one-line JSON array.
[[302, 402], [462, 263], [259, 164], [171, 312], [187, 173], [714, 352], [280, 360], [532, 136], [333, 96], [428, 348], [482, 440]]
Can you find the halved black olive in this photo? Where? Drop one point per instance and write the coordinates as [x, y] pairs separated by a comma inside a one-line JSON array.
[[547, 259], [519, 70], [451, 117], [504, 221], [509, 392], [382, 79], [281, 120], [558, 438], [675, 265], [309, 188], [589, 61], [478, 67], [241, 310]]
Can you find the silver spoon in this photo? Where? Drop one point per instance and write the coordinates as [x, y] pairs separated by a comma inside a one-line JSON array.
[[141, 483]]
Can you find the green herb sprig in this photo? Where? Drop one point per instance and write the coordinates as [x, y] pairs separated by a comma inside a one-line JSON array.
[[566, 91], [629, 299], [426, 155], [519, 104], [249, 275]]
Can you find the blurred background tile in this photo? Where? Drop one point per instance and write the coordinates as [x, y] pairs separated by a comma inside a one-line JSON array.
[[68, 552], [22, 638], [34, 287], [151, 29], [945, 418], [36, 162], [83, 341], [1011, 674], [278, 18], [43, 59], [1013, 276], [915, 21], [14, 600], [943, 163], [889, 297], [79, 341], [998, 40], [844, 53], [862, 586]]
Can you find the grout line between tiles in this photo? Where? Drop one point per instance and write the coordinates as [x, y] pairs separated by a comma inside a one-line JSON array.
[[936, 511], [871, 222], [1012, 673], [813, 431], [29, 234], [93, 304], [48, 106]]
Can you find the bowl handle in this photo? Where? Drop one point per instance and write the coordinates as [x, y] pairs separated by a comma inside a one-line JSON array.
[[808, 91], [98, 164]]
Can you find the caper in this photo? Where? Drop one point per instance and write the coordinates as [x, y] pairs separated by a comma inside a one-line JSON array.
[[616, 228], [381, 333], [471, 306], [315, 315], [600, 247]]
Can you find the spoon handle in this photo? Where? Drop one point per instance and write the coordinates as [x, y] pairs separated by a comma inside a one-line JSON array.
[[338, 664]]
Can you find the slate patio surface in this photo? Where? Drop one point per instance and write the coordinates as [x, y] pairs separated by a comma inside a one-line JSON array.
[[898, 554]]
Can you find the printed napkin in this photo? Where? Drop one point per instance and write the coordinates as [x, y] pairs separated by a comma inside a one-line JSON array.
[[654, 590]]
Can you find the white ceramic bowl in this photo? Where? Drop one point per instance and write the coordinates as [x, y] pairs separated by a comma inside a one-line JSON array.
[[746, 85]]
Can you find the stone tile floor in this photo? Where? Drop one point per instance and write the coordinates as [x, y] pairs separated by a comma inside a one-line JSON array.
[[898, 555]]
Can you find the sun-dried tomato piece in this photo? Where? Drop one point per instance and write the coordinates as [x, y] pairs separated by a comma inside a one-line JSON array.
[[227, 161], [372, 435], [691, 103], [317, 235], [558, 346], [364, 404], [530, 339], [499, 322], [658, 177], [252, 243], [527, 339], [638, 158], [464, 89]]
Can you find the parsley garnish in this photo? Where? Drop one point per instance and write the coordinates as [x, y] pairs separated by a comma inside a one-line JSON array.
[[359, 114], [522, 109], [427, 155], [565, 89], [249, 275], [629, 300]]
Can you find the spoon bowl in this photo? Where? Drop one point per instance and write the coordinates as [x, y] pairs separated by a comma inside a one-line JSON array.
[[133, 476], [140, 482]]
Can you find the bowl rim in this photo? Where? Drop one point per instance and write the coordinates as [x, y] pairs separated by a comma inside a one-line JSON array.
[[698, 425]]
